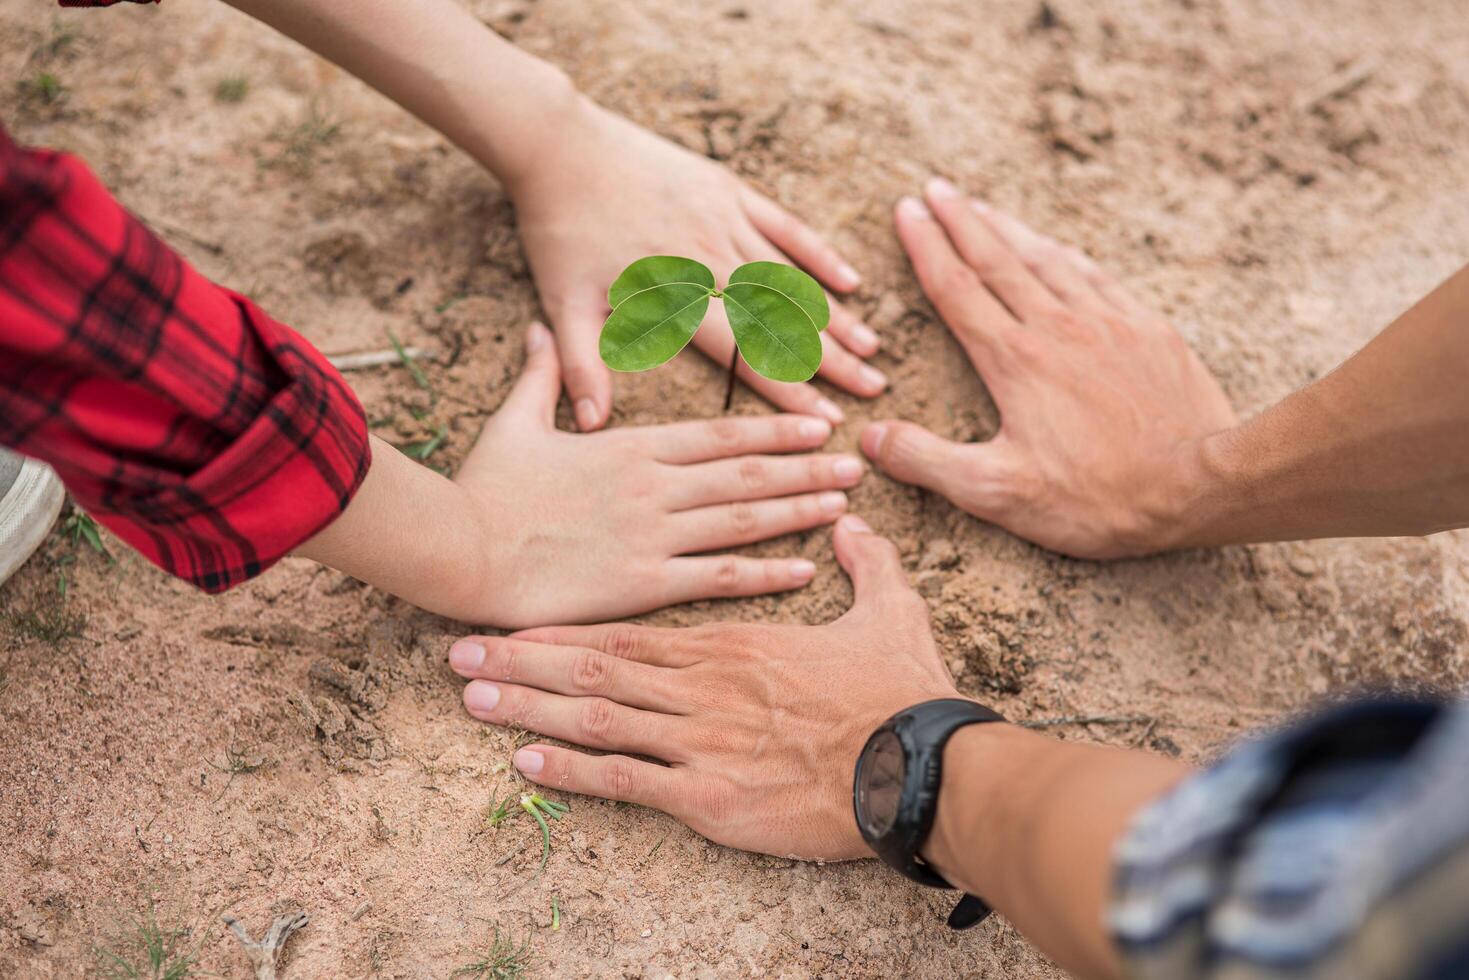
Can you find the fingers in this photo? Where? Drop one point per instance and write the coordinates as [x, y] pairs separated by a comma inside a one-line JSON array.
[[855, 335], [1052, 263], [588, 380], [695, 442], [979, 321], [756, 477], [597, 723], [611, 777], [574, 671], [642, 644], [728, 576], [997, 266], [1121, 299], [731, 525], [716, 341], [797, 240], [534, 397], [848, 371], [911, 454], [871, 561]]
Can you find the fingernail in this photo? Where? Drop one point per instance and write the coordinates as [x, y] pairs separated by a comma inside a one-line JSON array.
[[481, 697], [847, 277], [873, 378], [814, 429], [466, 656], [802, 570], [872, 440], [586, 414], [536, 337], [528, 761], [864, 336], [981, 206], [830, 412], [832, 502], [940, 188], [854, 523], [912, 207], [847, 469]]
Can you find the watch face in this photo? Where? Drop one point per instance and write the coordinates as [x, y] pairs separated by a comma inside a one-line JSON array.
[[880, 784]]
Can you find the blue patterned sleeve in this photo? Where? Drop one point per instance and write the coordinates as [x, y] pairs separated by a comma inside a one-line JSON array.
[[1338, 847]]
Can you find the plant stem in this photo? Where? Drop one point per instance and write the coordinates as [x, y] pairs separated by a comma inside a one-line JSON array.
[[734, 362]]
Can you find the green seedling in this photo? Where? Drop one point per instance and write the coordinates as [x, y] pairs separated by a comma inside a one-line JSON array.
[[231, 89], [539, 807], [776, 312], [425, 448], [45, 87], [238, 761], [419, 378], [502, 961], [149, 951], [498, 813], [555, 914], [80, 527], [51, 624]]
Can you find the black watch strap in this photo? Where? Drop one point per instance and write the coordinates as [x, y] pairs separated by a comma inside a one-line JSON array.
[[923, 730]]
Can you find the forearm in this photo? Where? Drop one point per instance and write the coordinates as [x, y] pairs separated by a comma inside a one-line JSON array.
[[1030, 823], [1378, 447], [410, 532], [435, 59]]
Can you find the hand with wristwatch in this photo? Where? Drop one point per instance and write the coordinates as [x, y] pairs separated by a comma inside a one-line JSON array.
[[756, 731]]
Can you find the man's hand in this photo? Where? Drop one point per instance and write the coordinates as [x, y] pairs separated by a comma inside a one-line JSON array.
[[610, 192], [1104, 408], [760, 726]]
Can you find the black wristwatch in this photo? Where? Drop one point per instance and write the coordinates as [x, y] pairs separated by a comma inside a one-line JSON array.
[[895, 790]]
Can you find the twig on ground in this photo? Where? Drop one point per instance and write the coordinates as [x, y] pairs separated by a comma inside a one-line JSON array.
[[264, 954], [174, 231], [1065, 720], [1345, 80], [379, 358]]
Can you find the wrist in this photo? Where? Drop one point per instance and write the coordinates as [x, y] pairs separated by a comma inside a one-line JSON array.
[[1211, 490], [403, 533], [562, 113], [984, 768]]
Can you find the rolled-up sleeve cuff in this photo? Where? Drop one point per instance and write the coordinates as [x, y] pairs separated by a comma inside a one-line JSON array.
[[285, 477]]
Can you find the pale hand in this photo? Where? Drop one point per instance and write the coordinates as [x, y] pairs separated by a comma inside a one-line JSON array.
[[610, 193], [758, 726], [588, 527], [1103, 406]]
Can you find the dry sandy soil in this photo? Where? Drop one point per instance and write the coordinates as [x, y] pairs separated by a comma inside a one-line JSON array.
[[1281, 178]]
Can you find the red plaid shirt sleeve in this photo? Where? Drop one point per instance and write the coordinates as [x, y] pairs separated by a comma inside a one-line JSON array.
[[202, 432]]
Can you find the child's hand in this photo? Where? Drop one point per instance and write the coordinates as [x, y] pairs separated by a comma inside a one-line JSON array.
[[613, 192], [590, 527]]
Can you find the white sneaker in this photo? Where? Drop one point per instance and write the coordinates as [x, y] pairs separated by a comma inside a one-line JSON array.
[[30, 498]]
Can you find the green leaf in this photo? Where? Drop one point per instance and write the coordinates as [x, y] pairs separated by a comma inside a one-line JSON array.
[[800, 288], [657, 270], [657, 305], [777, 314]]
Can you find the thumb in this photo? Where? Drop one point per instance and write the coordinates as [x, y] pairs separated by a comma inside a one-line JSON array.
[[871, 561], [911, 454], [539, 387], [588, 380]]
